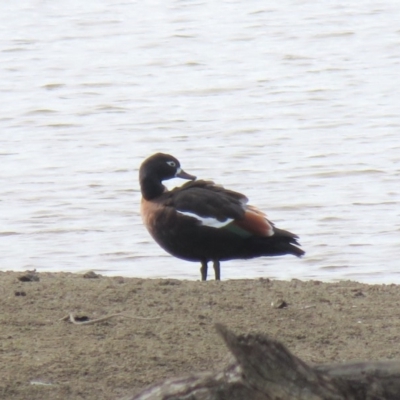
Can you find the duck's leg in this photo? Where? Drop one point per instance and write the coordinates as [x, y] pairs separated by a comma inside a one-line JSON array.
[[217, 270], [203, 270]]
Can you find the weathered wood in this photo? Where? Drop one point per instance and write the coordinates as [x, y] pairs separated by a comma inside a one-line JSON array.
[[263, 369], [378, 380]]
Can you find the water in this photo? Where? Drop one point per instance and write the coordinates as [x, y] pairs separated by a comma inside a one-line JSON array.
[[295, 104]]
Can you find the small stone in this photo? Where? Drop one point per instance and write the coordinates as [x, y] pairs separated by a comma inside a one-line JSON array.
[[29, 277], [91, 275], [169, 282], [83, 318], [279, 303]]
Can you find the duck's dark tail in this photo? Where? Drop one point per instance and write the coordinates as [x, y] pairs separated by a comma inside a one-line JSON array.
[[289, 241], [280, 243]]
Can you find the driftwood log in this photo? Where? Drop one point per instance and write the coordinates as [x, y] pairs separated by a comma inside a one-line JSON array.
[[263, 369]]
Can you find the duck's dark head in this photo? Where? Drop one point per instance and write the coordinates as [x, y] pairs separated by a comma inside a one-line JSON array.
[[157, 168]]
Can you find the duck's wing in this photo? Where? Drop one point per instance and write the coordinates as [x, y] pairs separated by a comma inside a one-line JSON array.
[[214, 206]]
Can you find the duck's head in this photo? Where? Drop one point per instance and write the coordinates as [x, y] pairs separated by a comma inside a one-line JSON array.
[[162, 167]]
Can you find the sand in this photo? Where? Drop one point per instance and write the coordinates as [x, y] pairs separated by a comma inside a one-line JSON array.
[[43, 356]]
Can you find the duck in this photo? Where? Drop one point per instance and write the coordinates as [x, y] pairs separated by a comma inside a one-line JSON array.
[[203, 222]]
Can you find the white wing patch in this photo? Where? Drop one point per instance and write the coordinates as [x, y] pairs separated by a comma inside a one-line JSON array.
[[207, 221]]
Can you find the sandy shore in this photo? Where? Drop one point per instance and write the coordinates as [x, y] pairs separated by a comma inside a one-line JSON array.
[[45, 357]]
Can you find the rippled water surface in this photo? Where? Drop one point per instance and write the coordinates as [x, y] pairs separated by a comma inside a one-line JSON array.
[[296, 104]]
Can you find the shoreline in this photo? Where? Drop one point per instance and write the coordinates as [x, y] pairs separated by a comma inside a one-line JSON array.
[[45, 357]]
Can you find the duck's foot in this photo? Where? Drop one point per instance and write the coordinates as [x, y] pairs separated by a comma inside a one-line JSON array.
[[217, 270], [203, 270]]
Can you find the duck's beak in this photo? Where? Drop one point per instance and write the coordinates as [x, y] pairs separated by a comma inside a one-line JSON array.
[[184, 175]]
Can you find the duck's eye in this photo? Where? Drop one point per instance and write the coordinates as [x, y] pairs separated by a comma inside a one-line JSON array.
[[171, 163]]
